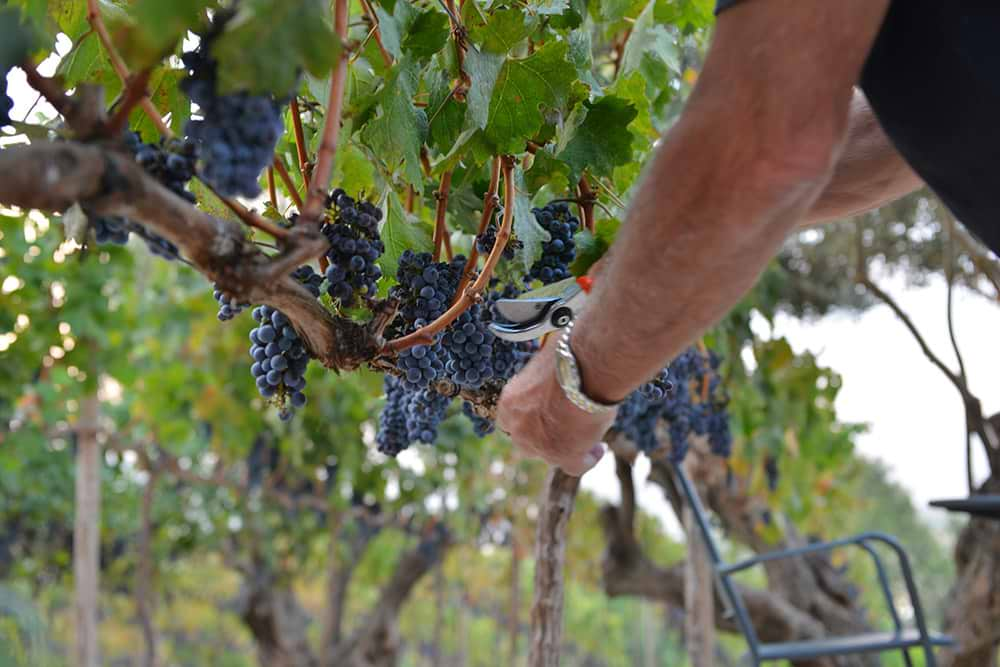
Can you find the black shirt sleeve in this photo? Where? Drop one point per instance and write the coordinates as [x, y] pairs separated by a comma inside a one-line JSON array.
[[723, 5]]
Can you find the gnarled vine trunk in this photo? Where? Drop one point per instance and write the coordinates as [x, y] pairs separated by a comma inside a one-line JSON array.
[[973, 616]]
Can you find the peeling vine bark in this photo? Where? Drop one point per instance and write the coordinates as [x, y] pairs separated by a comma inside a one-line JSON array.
[[550, 560]]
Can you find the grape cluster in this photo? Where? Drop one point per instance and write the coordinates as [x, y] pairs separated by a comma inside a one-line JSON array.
[[488, 239], [280, 359], [421, 365], [481, 426], [560, 250], [171, 163], [408, 416], [355, 246], [309, 279], [508, 357], [424, 292], [640, 411], [229, 307], [425, 287], [688, 403], [237, 132], [110, 229], [6, 104], [469, 346]]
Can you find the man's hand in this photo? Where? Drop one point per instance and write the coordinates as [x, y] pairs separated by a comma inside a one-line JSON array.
[[542, 422]]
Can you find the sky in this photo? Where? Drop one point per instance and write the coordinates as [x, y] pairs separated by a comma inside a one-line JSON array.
[[915, 416]]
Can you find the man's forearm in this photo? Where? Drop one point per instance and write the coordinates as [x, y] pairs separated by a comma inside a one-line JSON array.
[[701, 228], [869, 173]]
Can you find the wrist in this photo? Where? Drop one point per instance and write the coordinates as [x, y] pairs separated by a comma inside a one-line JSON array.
[[599, 381]]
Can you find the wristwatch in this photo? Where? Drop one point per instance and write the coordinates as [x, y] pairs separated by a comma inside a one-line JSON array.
[[568, 375]]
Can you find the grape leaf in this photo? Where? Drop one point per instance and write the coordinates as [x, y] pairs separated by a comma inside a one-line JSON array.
[[390, 31], [547, 170], [426, 35], [398, 132], [447, 115], [152, 28], [603, 141], [504, 31], [546, 7], [400, 234], [633, 89], [522, 88], [483, 69], [591, 247], [526, 228], [650, 48], [687, 15], [17, 39], [268, 42]]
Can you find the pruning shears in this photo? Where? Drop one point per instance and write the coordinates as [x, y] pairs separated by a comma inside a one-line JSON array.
[[541, 311]]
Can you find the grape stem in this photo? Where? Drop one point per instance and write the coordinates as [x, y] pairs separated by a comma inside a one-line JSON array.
[[331, 125], [587, 200], [272, 192], [279, 166], [425, 335], [135, 92], [440, 229], [300, 140], [97, 23], [490, 202], [386, 57]]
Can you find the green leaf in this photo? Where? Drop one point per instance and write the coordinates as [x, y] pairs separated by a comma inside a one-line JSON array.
[[505, 30], [523, 87], [268, 42], [426, 35], [547, 170], [400, 234], [526, 228], [603, 141], [546, 7], [650, 48], [591, 247], [397, 132], [152, 28], [686, 14], [390, 31], [353, 171], [17, 39], [447, 115], [483, 69], [633, 89]]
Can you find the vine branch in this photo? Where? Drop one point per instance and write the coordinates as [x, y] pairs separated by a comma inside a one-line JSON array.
[[300, 140], [118, 64], [440, 229], [425, 335], [376, 32], [286, 178], [587, 199], [490, 202], [320, 180], [53, 176], [135, 92]]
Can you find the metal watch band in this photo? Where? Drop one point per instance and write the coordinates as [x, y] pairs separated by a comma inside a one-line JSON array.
[[568, 375]]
